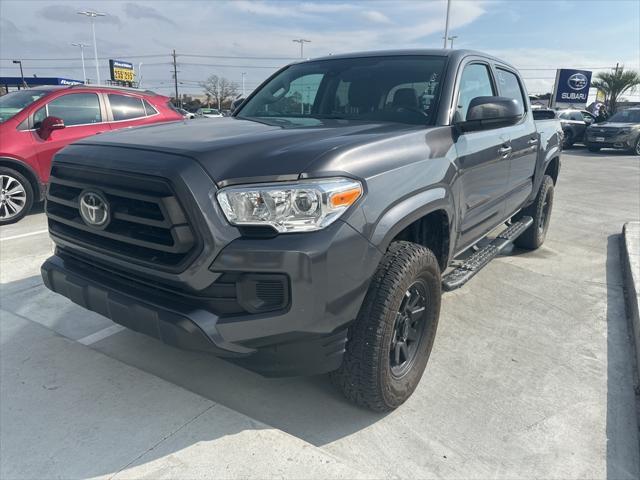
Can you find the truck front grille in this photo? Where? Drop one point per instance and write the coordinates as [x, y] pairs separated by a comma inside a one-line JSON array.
[[147, 223]]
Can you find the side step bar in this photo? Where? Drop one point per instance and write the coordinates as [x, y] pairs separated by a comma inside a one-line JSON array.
[[476, 262]]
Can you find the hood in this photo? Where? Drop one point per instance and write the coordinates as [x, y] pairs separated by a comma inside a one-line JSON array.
[[233, 150]]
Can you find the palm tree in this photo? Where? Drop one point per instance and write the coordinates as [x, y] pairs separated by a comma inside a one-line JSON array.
[[615, 83]]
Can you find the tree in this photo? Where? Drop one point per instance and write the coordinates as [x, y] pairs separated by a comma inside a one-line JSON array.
[[615, 83], [221, 90]]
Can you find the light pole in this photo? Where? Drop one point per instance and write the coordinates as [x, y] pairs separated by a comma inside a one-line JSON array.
[[446, 24], [81, 47], [19, 62], [140, 74], [92, 15], [301, 41], [452, 38], [243, 75]]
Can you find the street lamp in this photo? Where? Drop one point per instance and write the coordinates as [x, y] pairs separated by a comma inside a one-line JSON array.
[[92, 15], [81, 47], [243, 75], [19, 62], [452, 38], [301, 41], [446, 24]]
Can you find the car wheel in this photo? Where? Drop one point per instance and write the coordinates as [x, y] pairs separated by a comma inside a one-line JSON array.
[[16, 196], [568, 139], [540, 211], [591, 148], [636, 149], [390, 342]]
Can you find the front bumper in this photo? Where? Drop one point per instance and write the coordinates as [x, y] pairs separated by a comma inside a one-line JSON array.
[[624, 141], [328, 274]]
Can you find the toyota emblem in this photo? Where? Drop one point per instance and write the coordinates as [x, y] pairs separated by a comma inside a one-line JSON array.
[[94, 209]]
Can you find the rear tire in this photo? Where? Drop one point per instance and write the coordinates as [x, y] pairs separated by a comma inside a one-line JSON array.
[[16, 196], [636, 150], [390, 342], [540, 211]]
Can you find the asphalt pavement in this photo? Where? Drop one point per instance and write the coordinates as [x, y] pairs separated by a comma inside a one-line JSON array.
[[531, 375]]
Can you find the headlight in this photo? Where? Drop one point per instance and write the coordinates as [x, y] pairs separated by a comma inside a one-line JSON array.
[[302, 206]]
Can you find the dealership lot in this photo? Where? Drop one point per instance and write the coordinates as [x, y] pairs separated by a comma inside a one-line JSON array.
[[531, 374]]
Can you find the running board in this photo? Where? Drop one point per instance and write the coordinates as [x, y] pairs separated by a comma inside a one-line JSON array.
[[476, 262]]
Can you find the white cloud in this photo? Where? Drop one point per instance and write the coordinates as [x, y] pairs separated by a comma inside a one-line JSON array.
[[375, 16]]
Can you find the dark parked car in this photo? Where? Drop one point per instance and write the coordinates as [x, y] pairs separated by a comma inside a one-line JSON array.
[[314, 230], [621, 131], [574, 125]]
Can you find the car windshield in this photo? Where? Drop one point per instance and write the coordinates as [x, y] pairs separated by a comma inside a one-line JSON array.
[[13, 103], [626, 116], [400, 89]]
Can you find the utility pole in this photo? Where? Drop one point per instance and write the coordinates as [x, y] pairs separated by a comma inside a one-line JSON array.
[[446, 24], [301, 41], [219, 95], [19, 62], [243, 75], [92, 16], [81, 47], [175, 77]]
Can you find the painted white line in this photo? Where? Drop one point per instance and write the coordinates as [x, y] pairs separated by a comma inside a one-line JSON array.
[[100, 335], [23, 235]]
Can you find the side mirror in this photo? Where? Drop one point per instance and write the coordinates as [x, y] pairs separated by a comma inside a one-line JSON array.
[[491, 112], [48, 125], [236, 103]]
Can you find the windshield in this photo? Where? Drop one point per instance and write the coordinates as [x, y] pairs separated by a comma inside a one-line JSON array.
[[13, 103], [626, 116], [400, 89]]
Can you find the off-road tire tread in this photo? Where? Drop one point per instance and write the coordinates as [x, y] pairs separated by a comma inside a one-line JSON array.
[[358, 377], [531, 238]]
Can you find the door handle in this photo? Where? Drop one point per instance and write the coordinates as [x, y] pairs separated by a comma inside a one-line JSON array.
[[533, 141], [505, 151]]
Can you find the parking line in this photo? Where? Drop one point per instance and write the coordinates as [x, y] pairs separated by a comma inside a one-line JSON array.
[[101, 335], [15, 237]]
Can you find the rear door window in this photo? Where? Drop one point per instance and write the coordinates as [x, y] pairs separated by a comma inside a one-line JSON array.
[[73, 108], [126, 107]]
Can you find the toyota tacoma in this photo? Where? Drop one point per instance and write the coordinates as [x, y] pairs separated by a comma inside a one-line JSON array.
[[314, 230]]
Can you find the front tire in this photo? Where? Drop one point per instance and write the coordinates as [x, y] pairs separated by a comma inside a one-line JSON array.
[[16, 196], [568, 140], [390, 342], [540, 211], [636, 150]]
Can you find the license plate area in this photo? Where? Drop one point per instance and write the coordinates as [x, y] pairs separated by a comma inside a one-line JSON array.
[[599, 139]]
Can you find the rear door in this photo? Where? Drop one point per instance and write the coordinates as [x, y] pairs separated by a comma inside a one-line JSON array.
[[83, 115], [482, 159], [524, 140]]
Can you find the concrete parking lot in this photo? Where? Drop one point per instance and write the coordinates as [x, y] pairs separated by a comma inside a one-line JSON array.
[[532, 374]]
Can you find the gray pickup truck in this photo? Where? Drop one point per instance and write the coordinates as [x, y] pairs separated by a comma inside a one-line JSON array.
[[315, 229]]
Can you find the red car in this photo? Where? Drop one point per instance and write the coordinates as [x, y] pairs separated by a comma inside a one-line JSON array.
[[35, 123]]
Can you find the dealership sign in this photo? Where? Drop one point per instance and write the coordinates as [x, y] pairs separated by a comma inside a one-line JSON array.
[[121, 71], [571, 87]]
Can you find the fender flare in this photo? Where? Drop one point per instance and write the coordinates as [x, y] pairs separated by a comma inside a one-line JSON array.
[[31, 174], [407, 211]]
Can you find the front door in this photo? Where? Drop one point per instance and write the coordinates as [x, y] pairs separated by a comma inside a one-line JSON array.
[[482, 161], [82, 115]]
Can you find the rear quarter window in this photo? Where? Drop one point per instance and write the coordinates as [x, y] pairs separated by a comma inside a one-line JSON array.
[[125, 107]]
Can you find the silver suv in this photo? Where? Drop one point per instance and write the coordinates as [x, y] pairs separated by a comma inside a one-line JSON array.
[[621, 131]]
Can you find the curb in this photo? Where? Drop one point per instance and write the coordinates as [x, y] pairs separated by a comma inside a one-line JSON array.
[[631, 267]]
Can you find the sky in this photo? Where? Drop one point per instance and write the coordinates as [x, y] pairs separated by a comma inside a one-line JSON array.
[[255, 37]]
